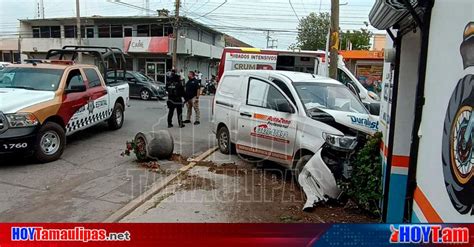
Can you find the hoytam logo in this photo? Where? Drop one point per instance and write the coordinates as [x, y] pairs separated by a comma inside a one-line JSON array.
[[366, 122], [434, 234], [79, 234]]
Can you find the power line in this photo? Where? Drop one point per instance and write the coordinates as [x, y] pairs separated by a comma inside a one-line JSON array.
[[222, 4], [294, 11]]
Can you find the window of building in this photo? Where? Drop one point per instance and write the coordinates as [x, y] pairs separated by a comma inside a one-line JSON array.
[[45, 32], [87, 32], [69, 31], [168, 30], [156, 30], [36, 32], [55, 32], [143, 30], [116, 31], [127, 31], [16, 57], [7, 57], [104, 31]]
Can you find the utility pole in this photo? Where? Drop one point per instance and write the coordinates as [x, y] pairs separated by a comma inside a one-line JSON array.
[[273, 46], [42, 8], [334, 56], [78, 27], [176, 35], [268, 38], [38, 10]]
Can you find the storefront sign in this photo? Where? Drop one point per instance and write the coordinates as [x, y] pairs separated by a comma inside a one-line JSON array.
[[146, 44]]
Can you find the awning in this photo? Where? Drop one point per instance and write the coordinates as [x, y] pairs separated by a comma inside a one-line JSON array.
[[388, 13]]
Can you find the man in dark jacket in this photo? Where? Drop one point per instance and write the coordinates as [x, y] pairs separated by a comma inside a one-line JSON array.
[[193, 88], [175, 98]]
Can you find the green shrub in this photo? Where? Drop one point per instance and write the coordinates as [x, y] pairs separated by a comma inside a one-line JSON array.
[[365, 185]]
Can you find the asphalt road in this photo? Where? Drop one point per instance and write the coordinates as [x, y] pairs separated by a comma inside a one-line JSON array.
[[92, 179]]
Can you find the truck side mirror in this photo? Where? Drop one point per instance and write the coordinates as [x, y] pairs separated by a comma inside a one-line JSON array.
[[76, 89]]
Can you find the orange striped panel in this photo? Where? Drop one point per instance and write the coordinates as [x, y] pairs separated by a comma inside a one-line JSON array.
[[428, 211], [400, 161], [260, 116]]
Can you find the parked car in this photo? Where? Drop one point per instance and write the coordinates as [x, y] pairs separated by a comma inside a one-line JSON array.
[[141, 85], [289, 117], [42, 103]]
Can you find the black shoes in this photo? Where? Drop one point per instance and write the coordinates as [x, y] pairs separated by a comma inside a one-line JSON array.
[[181, 126], [185, 121]]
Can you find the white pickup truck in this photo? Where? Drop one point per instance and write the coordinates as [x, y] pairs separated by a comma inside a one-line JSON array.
[[42, 103]]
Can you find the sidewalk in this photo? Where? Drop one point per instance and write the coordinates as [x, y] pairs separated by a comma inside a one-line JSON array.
[[227, 189]]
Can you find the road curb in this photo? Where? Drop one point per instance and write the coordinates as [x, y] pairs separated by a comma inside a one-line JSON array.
[[155, 188]]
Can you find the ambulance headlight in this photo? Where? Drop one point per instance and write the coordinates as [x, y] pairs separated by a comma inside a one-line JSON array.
[[340, 142], [19, 120]]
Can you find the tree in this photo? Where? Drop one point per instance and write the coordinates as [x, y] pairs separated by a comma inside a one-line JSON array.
[[360, 40], [312, 32]]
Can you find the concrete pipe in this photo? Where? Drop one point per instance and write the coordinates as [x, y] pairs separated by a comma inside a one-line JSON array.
[[161, 146], [154, 145]]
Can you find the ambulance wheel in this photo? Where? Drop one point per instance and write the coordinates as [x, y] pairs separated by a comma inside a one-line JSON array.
[[115, 121], [457, 150], [223, 141], [300, 164], [50, 142]]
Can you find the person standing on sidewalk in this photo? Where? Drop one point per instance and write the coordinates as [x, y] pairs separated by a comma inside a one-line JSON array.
[[181, 77], [176, 93], [193, 88]]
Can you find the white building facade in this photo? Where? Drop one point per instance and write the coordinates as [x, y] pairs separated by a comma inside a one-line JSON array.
[[147, 41]]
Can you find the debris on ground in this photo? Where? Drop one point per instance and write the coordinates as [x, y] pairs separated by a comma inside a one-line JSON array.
[[238, 192], [153, 166], [193, 182], [318, 183], [179, 159]]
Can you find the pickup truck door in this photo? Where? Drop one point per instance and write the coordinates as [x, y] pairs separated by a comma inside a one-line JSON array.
[[267, 129], [73, 109], [98, 97]]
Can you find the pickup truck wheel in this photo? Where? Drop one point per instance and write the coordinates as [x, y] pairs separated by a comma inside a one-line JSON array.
[[145, 94], [223, 140], [116, 119], [50, 142]]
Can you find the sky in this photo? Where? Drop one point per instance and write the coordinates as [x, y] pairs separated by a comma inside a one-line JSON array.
[[243, 19]]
